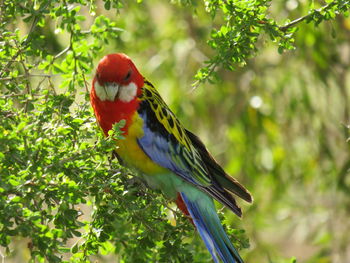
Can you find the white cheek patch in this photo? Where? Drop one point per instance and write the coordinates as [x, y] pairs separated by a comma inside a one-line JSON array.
[[107, 92], [128, 92]]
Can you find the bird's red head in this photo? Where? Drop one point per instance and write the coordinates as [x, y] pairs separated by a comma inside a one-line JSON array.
[[115, 90], [117, 78]]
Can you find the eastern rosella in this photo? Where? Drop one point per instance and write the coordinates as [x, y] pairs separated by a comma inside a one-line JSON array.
[[168, 156]]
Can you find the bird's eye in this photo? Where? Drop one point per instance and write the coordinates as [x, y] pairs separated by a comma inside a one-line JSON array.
[[127, 76]]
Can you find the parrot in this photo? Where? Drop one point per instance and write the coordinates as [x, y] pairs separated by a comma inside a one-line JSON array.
[[165, 154]]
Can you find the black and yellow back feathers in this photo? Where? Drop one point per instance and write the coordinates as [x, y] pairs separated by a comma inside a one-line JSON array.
[[170, 145]]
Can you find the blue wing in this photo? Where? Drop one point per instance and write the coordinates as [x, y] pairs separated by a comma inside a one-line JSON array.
[[168, 144]]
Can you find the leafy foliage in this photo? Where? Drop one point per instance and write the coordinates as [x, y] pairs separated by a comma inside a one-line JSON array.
[[235, 41], [64, 196]]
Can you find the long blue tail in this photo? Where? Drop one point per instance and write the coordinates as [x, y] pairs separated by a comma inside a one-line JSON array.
[[207, 222]]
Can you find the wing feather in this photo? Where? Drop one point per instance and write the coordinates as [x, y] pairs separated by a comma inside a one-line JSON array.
[[168, 144]]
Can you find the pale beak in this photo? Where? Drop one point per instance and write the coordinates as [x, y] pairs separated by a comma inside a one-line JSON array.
[[111, 89]]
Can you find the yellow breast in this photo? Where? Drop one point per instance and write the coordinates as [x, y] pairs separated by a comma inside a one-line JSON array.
[[130, 151]]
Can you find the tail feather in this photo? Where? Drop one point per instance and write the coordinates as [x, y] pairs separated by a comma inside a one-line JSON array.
[[230, 184], [207, 222]]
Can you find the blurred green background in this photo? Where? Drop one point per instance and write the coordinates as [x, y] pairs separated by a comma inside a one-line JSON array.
[[279, 124]]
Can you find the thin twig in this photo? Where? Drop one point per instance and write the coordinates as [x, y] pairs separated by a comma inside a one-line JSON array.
[[85, 83], [63, 161], [29, 76], [62, 52], [212, 67]]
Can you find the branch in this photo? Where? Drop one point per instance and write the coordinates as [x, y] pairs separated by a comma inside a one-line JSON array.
[[301, 19]]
